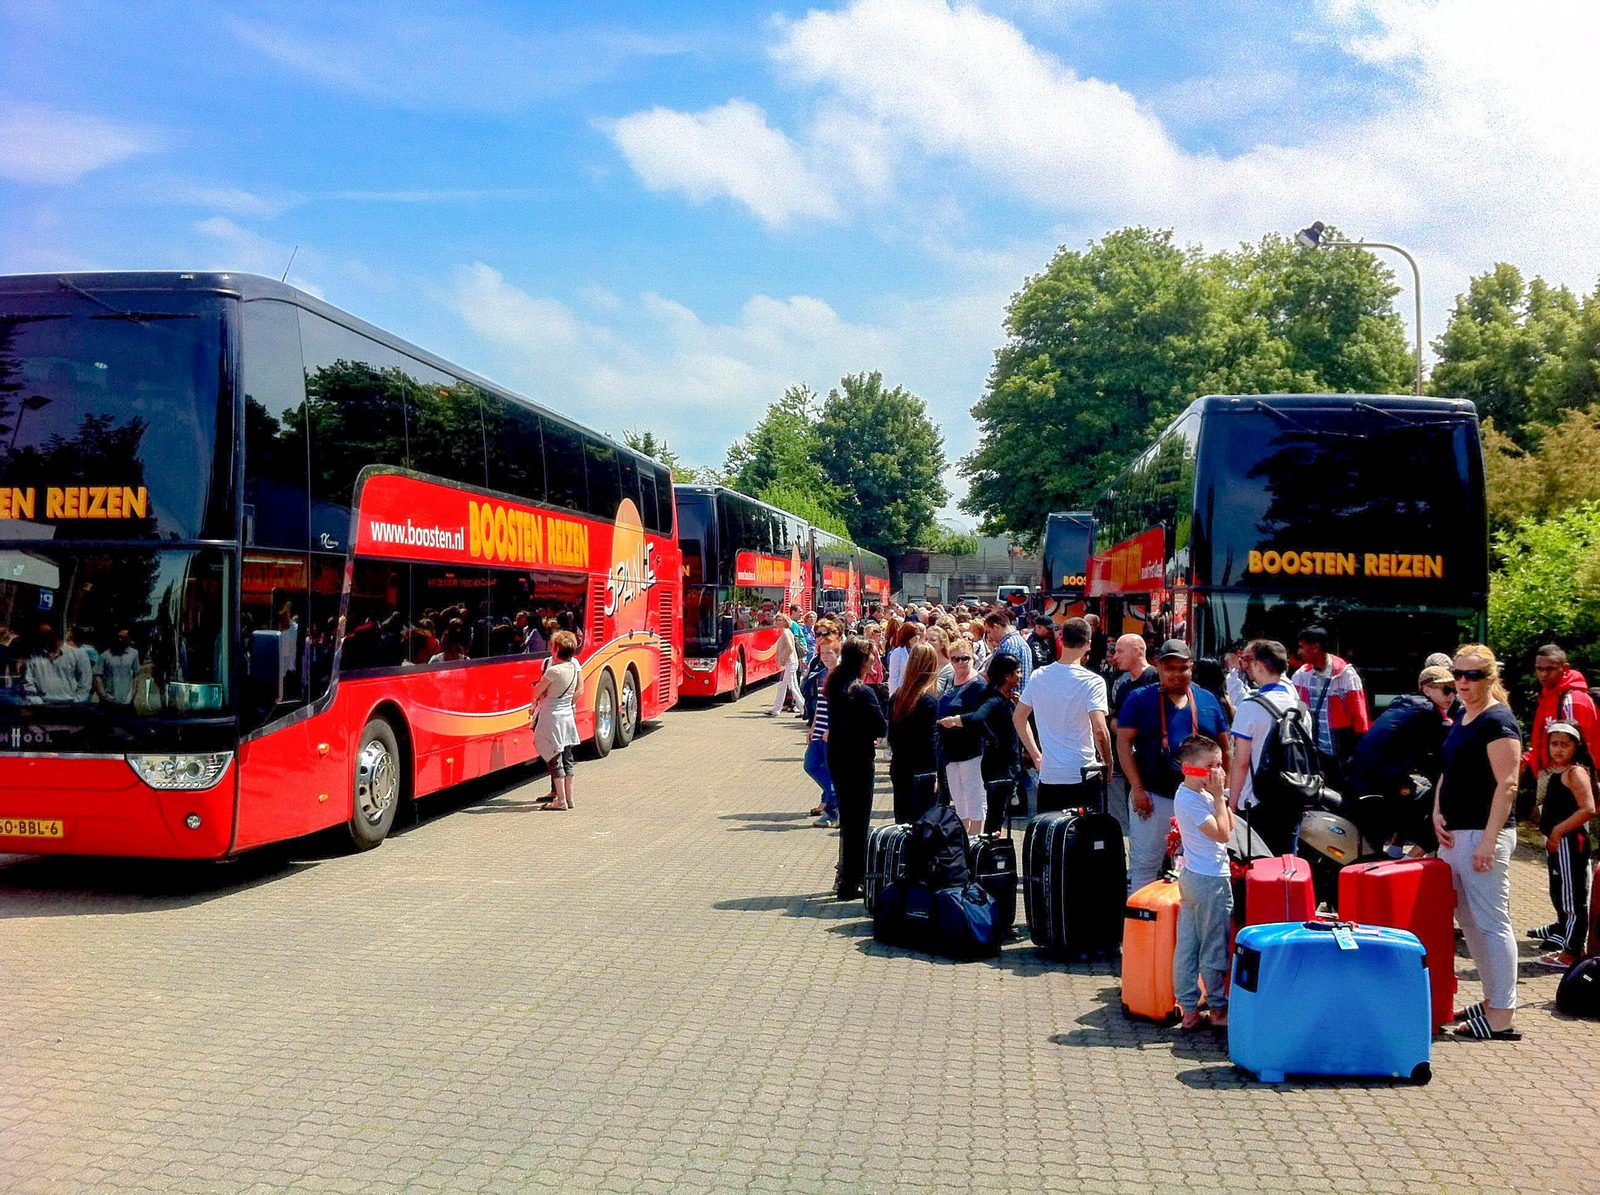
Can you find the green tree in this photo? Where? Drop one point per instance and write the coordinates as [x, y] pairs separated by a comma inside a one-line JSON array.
[[1558, 470], [656, 448], [1110, 343], [807, 506], [1523, 352], [782, 450], [1547, 591], [944, 541], [884, 457]]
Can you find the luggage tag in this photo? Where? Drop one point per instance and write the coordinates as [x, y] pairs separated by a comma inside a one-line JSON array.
[[1345, 939]]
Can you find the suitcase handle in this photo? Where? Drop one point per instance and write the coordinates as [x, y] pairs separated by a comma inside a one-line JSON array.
[[1330, 926]]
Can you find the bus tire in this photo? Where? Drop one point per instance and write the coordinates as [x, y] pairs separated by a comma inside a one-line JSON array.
[[628, 710], [738, 678], [377, 784], [605, 716]]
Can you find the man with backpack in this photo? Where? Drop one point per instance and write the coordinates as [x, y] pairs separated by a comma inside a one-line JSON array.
[[1276, 755]]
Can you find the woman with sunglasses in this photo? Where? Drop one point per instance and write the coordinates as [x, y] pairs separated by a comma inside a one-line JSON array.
[[961, 746], [1472, 817]]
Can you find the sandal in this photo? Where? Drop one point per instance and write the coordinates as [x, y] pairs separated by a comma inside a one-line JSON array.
[[1192, 1021], [1476, 1028], [1467, 1013], [557, 807]]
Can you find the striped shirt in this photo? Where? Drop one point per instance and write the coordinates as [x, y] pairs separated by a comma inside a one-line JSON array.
[[1015, 646], [819, 723]]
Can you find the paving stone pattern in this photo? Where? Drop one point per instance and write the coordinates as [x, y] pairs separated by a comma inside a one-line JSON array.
[[655, 992]]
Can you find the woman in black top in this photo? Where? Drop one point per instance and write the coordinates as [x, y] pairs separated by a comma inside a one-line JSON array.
[[1471, 813], [912, 760], [855, 724], [961, 746], [994, 720]]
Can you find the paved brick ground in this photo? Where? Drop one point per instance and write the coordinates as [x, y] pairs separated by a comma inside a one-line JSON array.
[[655, 993]]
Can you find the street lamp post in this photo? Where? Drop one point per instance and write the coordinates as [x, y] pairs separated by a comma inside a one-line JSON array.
[[1312, 238]]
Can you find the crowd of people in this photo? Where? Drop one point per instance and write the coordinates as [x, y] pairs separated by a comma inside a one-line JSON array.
[[989, 711]]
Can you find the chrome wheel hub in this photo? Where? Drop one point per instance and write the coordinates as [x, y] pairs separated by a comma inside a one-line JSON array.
[[377, 781]]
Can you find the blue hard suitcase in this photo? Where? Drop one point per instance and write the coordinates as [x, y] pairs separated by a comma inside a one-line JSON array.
[[1330, 998]]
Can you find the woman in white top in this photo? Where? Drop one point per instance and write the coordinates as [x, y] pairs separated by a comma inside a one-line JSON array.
[[908, 634], [555, 718]]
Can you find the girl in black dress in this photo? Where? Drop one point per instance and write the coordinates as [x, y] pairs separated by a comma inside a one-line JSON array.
[[912, 761]]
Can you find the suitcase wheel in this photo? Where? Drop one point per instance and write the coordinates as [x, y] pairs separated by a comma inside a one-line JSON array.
[[1421, 1073]]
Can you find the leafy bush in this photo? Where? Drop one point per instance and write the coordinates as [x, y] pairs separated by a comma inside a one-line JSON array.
[[1547, 591]]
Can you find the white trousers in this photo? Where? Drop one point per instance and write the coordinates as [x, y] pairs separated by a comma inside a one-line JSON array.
[[789, 683], [1483, 910]]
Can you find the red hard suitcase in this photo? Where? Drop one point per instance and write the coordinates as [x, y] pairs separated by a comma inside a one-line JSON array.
[[1279, 889], [1410, 894]]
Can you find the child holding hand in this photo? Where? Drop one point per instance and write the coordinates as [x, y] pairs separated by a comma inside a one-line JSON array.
[[1205, 824]]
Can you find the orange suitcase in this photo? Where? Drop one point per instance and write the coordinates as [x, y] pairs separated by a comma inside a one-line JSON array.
[[1149, 939]]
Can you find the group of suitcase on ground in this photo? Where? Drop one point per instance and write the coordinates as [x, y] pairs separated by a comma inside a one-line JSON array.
[[1361, 996]]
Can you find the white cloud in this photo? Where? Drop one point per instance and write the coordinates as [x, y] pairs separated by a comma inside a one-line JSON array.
[[730, 152], [503, 314], [43, 146], [252, 253]]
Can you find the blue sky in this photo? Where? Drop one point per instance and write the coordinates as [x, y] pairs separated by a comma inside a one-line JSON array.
[[652, 215]]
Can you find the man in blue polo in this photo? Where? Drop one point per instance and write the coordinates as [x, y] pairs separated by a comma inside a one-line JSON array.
[[1151, 727]]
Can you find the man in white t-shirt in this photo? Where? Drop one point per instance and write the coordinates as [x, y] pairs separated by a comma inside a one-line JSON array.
[[1068, 702], [1266, 660]]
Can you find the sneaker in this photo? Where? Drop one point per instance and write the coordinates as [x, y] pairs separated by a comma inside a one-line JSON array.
[[1555, 961], [826, 822]]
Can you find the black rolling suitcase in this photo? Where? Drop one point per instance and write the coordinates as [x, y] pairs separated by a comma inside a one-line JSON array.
[[1075, 883], [886, 861], [993, 863]]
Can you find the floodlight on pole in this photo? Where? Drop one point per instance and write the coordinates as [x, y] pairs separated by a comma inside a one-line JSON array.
[[1311, 237]]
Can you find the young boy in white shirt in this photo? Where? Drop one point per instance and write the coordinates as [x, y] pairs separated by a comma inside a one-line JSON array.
[[1205, 824]]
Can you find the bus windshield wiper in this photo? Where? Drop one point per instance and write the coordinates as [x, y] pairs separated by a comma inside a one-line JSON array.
[[1377, 410], [138, 317]]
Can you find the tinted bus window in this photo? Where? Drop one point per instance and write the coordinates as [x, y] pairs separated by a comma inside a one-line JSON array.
[[444, 426], [564, 466], [455, 603], [696, 538], [605, 487], [664, 502], [516, 448], [133, 396], [628, 473], [275, 484], [377, 616], [355, 404], [647, 499]]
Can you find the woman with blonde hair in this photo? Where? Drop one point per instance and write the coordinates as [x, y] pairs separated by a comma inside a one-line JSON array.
[[913, 764], [555, 718], [1472, 816]]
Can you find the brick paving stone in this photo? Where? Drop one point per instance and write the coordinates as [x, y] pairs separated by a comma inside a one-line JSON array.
[[656, 993]]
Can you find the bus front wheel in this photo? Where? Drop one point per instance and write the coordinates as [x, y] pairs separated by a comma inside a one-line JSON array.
[[628, 710], [738, 679], [605, 716], [378, 785]]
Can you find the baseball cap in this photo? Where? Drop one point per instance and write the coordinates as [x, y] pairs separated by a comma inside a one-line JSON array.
[[1174, 649], [1435, 675], [1566, 728]]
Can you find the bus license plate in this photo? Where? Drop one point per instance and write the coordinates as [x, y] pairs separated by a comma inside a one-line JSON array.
[[29, 827]]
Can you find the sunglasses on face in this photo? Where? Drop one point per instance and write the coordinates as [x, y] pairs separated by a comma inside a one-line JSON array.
[[961, 659], [1474, 674]]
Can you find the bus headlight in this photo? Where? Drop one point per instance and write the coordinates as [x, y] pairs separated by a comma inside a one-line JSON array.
[[700, 665], [180, 771]]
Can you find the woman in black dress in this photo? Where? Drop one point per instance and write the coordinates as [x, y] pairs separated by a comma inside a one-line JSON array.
[[912, 762], [855, 724]]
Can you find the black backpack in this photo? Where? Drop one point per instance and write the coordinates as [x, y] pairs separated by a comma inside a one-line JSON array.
[[936, 853], [1289, 772], [1578, 994]]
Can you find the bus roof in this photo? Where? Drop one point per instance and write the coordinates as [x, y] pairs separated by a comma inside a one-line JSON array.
[[255, 286]]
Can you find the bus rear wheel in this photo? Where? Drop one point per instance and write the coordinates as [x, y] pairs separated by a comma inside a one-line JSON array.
[[628, 711], [378, 785], [738, 679], [605, 716]]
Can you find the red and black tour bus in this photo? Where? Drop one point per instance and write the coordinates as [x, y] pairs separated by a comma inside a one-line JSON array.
[[269, 569]]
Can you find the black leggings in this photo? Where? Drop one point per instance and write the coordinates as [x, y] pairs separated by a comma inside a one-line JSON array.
[[852, 784]]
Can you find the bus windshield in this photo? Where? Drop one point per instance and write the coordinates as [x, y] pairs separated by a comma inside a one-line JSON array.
[[141, 633], [112, 409]]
